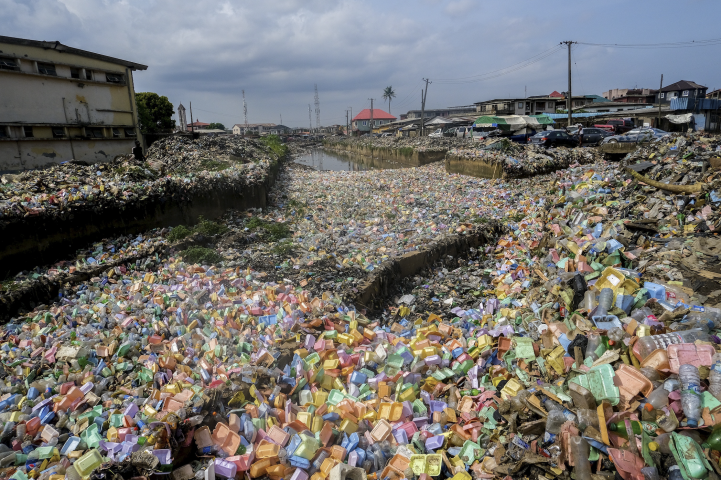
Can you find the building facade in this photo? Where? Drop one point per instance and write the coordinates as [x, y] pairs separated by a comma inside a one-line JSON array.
[[681, 89], [61, 103], [241, 128], [631, 95], [361, 122]]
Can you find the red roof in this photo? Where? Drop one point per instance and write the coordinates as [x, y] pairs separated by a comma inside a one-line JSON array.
[[198, 124], [378, 114], [555, 94]]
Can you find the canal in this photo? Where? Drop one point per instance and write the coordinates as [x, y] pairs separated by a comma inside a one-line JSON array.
[[320, 159]]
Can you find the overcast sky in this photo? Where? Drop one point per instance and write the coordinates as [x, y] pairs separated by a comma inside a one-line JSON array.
[[208, 51]]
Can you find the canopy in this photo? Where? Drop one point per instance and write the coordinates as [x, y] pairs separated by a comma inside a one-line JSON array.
[[683, 118], [512, 123]]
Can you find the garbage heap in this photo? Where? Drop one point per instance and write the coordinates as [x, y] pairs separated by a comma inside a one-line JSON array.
[[575, 347], [175, 168], [522, 161]]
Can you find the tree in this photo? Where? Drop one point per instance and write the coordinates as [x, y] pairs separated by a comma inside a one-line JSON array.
[[216, 126], [388, 94], [155, 113]]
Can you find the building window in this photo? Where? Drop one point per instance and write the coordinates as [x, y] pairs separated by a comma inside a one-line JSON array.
[[365, 123], [3, 132], [129, 132], [550, 105], [685, 93], [116, 133], [47, 69], [28, 132], [74, 73], [113, 78], [58, 132], [662, 95], [94, 132], [8, 64], [88, 75], [520, 105]]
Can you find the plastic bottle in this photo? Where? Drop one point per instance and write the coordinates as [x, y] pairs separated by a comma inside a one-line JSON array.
[[650, 473], [658, 398], [605, 302], [690, 393], [674, 473], [661, 444], [714, 380], [554, 421], [714, 440], [594, 341], [667, 421], [586, 417], [619, 428], [645, 345], [581, 450]]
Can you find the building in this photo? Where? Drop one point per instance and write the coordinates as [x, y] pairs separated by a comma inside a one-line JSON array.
[[611, 107], [631, 95], [280, 130], [443, 112], [197, 125], [715, 94], [61, 103], [241, 128], [361, 122], [680, 89]]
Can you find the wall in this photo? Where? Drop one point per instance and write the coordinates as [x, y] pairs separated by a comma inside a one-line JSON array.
[[17, 155], [405, 156]]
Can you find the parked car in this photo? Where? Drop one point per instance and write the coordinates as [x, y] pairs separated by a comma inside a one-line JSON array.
[[591, 136], [636, 135], [437, 134], [617, 126], [553, 138]]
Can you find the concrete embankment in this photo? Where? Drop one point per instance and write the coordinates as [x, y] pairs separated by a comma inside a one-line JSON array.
[[473, 167], [377, 285], [404, 155], [43, 239]]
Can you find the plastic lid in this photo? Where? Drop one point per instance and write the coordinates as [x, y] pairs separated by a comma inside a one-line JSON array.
[[653, 446], [692, 422], [648, 407]]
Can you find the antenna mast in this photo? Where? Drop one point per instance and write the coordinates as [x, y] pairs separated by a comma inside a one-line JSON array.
[[245, 112], [317, 108]]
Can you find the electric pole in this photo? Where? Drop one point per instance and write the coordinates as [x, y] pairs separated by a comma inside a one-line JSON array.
[[423, 104], [191, 118], [371, 125], [569, 103], [658, 125], [346, 122], [310, 121], [281, 119], [317, 108], [351, 119]]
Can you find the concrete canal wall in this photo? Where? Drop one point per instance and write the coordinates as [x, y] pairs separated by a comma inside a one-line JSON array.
[[404, 155]]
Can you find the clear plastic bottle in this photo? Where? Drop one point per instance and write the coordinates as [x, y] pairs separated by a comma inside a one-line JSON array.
[[554, 421], [594, 341], [658, 398], [690, 393], [661, 444], [581, 450], [586, 417], [605, 302], [645, 345], [714, 380]]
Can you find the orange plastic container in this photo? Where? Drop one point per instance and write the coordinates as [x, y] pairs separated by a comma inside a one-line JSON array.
[[631, 382]]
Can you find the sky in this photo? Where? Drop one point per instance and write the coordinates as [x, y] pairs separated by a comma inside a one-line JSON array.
[[207, 52]]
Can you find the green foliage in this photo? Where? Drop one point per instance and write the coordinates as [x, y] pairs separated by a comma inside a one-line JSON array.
[[209, 228], [282, 248], [179, 233], [277, 231], [201, 255], [214, 165], [216, 126], [406, 151], [155, 113], [275, 144]]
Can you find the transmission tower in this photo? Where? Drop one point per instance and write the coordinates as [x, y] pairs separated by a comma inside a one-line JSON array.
[[245, 111], [310, 120], [317, 108]]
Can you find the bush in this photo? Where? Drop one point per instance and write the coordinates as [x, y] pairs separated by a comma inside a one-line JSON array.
[[201, 255], [275, 144], [179, 233], [209, 228]]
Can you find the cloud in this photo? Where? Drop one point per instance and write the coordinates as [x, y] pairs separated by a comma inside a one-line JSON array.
[[278, 50]]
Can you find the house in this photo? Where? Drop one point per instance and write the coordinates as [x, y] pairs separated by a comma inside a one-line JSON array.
[[241, 128], [715, 94], [631, 95], [197, 125], [443, 112], [611, 107], [361, 122], [61, 103], [279, 130], [680, 89]]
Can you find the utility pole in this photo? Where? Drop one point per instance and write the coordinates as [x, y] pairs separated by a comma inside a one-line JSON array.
[[371, 124], [346, 123], [351, 119], [658, 125], [245, 113], [281, 119], [310, 121], [191, 118], [317, 108], [423, 105], [569, 103]]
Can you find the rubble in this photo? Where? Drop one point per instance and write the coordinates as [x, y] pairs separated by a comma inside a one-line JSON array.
[[583, 342]]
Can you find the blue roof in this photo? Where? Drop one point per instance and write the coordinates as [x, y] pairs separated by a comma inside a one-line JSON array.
[[576, 115], [597, 98]]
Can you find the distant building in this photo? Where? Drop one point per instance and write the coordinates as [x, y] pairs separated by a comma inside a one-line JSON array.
[[61, 103], [631, 95], [681, 89], [441, 112], [361, 122], [181, 117], [241, 128], [611, 107], [198, 125]]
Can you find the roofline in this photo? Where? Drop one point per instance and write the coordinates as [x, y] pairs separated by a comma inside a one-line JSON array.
[[59, 47]]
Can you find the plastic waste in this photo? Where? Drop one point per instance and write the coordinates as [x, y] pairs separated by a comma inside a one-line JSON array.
[[690, 393]]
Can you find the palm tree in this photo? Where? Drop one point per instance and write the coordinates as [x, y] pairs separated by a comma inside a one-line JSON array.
[[388, 93]]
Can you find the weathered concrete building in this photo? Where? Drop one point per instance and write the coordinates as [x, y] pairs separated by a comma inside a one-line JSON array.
[[59, 103]]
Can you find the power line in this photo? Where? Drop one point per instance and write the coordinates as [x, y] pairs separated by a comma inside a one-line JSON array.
[[500, 69], [686, 44]]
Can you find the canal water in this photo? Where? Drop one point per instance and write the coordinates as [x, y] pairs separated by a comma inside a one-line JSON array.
[[320, 159]]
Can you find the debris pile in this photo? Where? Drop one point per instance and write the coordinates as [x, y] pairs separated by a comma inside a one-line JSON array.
[[583, 343], [418, 144]]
